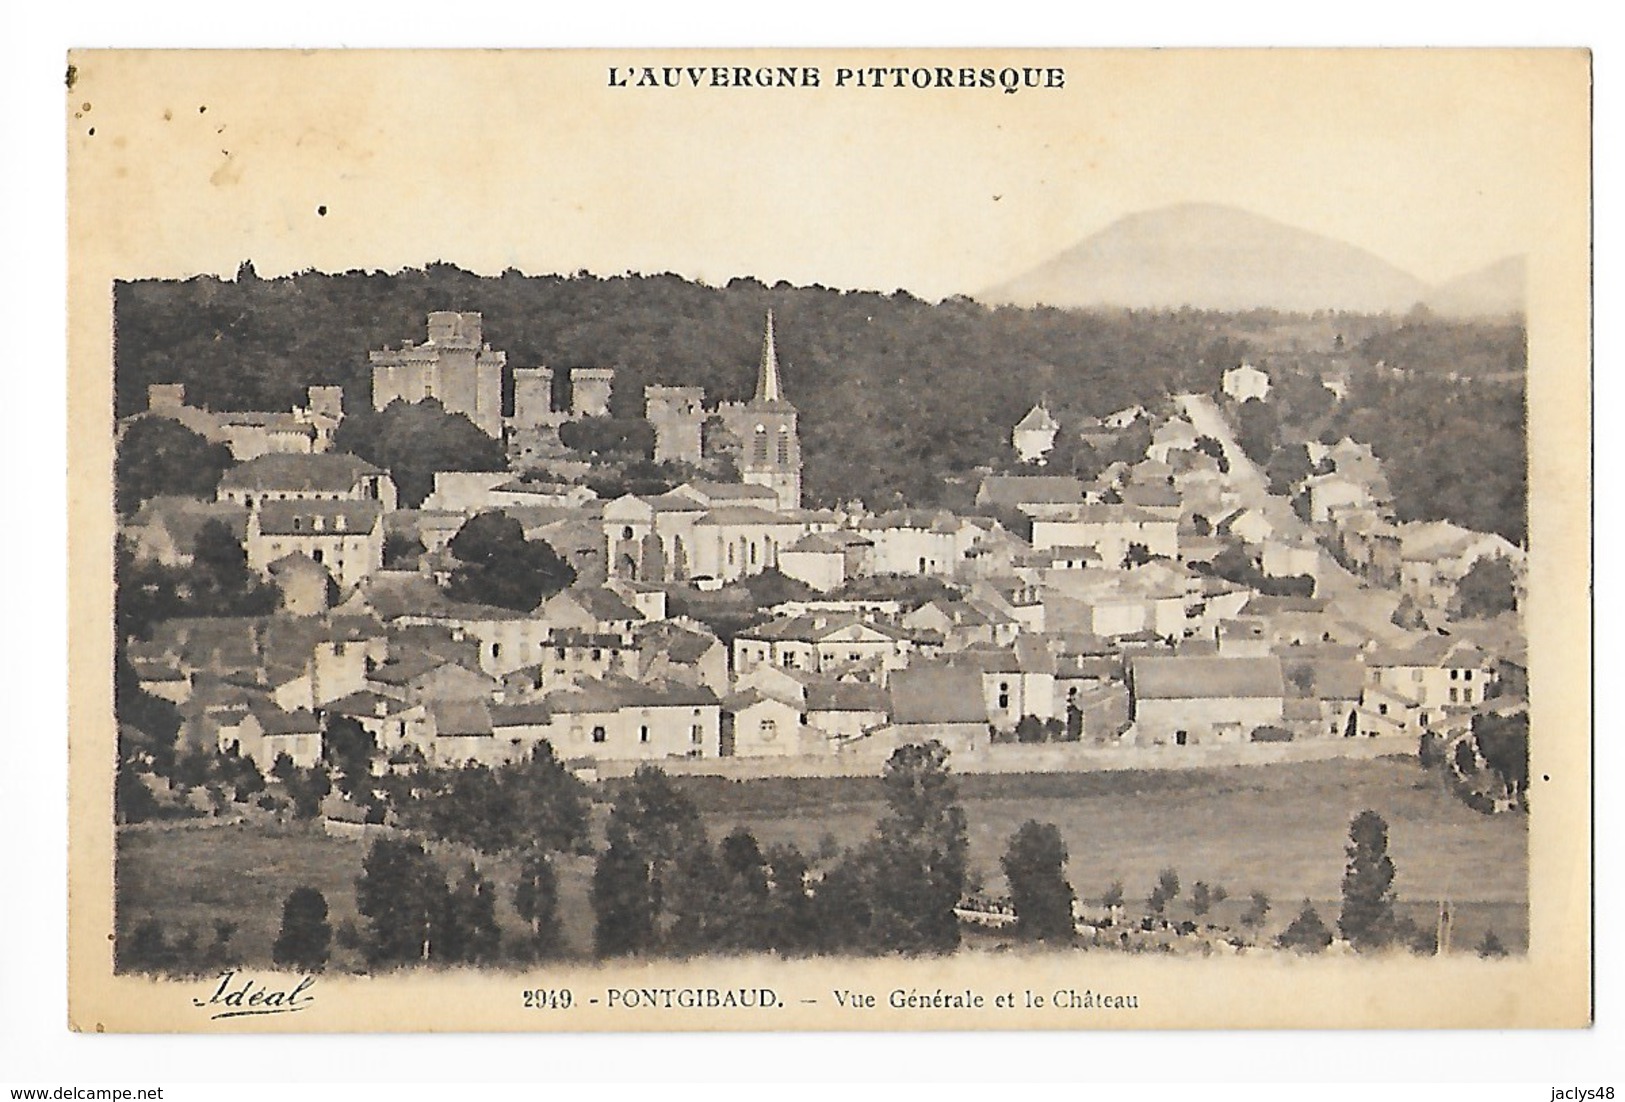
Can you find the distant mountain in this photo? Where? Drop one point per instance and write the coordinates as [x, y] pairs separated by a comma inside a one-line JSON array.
[[1495, 290], [1212, 257]]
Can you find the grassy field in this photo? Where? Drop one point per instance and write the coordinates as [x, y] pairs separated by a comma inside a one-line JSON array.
[[1280, 829], [188, 878]]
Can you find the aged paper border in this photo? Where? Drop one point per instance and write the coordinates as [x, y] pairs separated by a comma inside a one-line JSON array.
[[1549, 987]]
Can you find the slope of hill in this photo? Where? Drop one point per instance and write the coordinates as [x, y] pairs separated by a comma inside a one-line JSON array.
[[1212, 257], [1495, 290]]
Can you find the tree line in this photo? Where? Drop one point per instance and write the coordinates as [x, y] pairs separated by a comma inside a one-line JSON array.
[[896, 394]]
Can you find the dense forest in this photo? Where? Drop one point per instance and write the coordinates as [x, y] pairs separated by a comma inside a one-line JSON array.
[[894, 393], [898, 397]]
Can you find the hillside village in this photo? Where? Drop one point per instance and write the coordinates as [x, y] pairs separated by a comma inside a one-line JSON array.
[[1178, 608]]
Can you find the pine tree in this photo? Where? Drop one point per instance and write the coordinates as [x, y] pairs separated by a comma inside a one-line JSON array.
[[1368, 920], [1307, 932]]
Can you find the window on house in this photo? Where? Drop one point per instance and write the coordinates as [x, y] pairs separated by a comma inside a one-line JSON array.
[[597, 655], [696, 734], [1466, 675], [559, 654], [496, 650], [599, 734], [769, 730], [1382, 709], [626, 533], [1455, 695], [316, 554], [643, 733], [1424, 719], [1004, 695], [1455, 674]]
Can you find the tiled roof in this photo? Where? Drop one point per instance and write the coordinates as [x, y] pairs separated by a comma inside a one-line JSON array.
[[742, 514], [613, 693], [365, 703], [1038, 419], [926, 694], [1004, 489], [274, 722], [460, 718], [327, 472], [520, 715], [844, 696], [604, 605], [1158, 677]]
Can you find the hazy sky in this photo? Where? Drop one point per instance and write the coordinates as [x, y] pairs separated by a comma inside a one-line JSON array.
[[1439, 162]]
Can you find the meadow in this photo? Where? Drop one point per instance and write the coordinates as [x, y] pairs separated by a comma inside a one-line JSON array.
[[1278, 829]]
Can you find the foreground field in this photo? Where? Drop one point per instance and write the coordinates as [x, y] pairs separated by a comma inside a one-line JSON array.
[[1279, 829]]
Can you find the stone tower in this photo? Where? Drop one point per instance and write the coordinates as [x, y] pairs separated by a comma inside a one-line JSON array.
[[454, 366], [589, 391], [677, 414], [325, 401], [770, 450]]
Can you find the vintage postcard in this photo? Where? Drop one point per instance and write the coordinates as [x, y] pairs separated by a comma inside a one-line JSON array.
[[829, 539]]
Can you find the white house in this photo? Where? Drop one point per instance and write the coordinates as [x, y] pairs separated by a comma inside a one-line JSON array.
[[1034, 435], [1245, 382]]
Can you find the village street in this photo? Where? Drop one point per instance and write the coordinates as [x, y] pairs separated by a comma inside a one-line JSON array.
[[1368, 607]]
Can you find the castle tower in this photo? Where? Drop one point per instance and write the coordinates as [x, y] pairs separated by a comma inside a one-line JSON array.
[[677, 414], [766, 427], [589, 391], [455, 367], [325, 401], [532, 397]]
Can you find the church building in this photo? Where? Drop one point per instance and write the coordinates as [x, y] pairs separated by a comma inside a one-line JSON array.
[[770, 450]]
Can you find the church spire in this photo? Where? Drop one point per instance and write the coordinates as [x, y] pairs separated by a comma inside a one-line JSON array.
[[767, 376]]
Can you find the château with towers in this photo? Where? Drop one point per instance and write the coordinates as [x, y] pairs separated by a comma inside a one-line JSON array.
[[456, 367]]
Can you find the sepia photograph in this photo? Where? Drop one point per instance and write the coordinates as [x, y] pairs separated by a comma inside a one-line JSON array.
[[829, 539]]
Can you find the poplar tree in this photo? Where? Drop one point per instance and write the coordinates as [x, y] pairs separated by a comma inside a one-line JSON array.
[[1368, 920]]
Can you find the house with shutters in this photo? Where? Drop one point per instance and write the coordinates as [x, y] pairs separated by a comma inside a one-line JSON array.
[[819, 643], [1109, 531], [1437, 673], [344, 537], [619, 719], [333, 476], [1184, 700]]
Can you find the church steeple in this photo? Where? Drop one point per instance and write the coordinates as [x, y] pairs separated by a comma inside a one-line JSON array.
[[767, 374]]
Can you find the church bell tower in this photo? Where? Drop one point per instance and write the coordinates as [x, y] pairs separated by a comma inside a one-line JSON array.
[[770, 449]]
